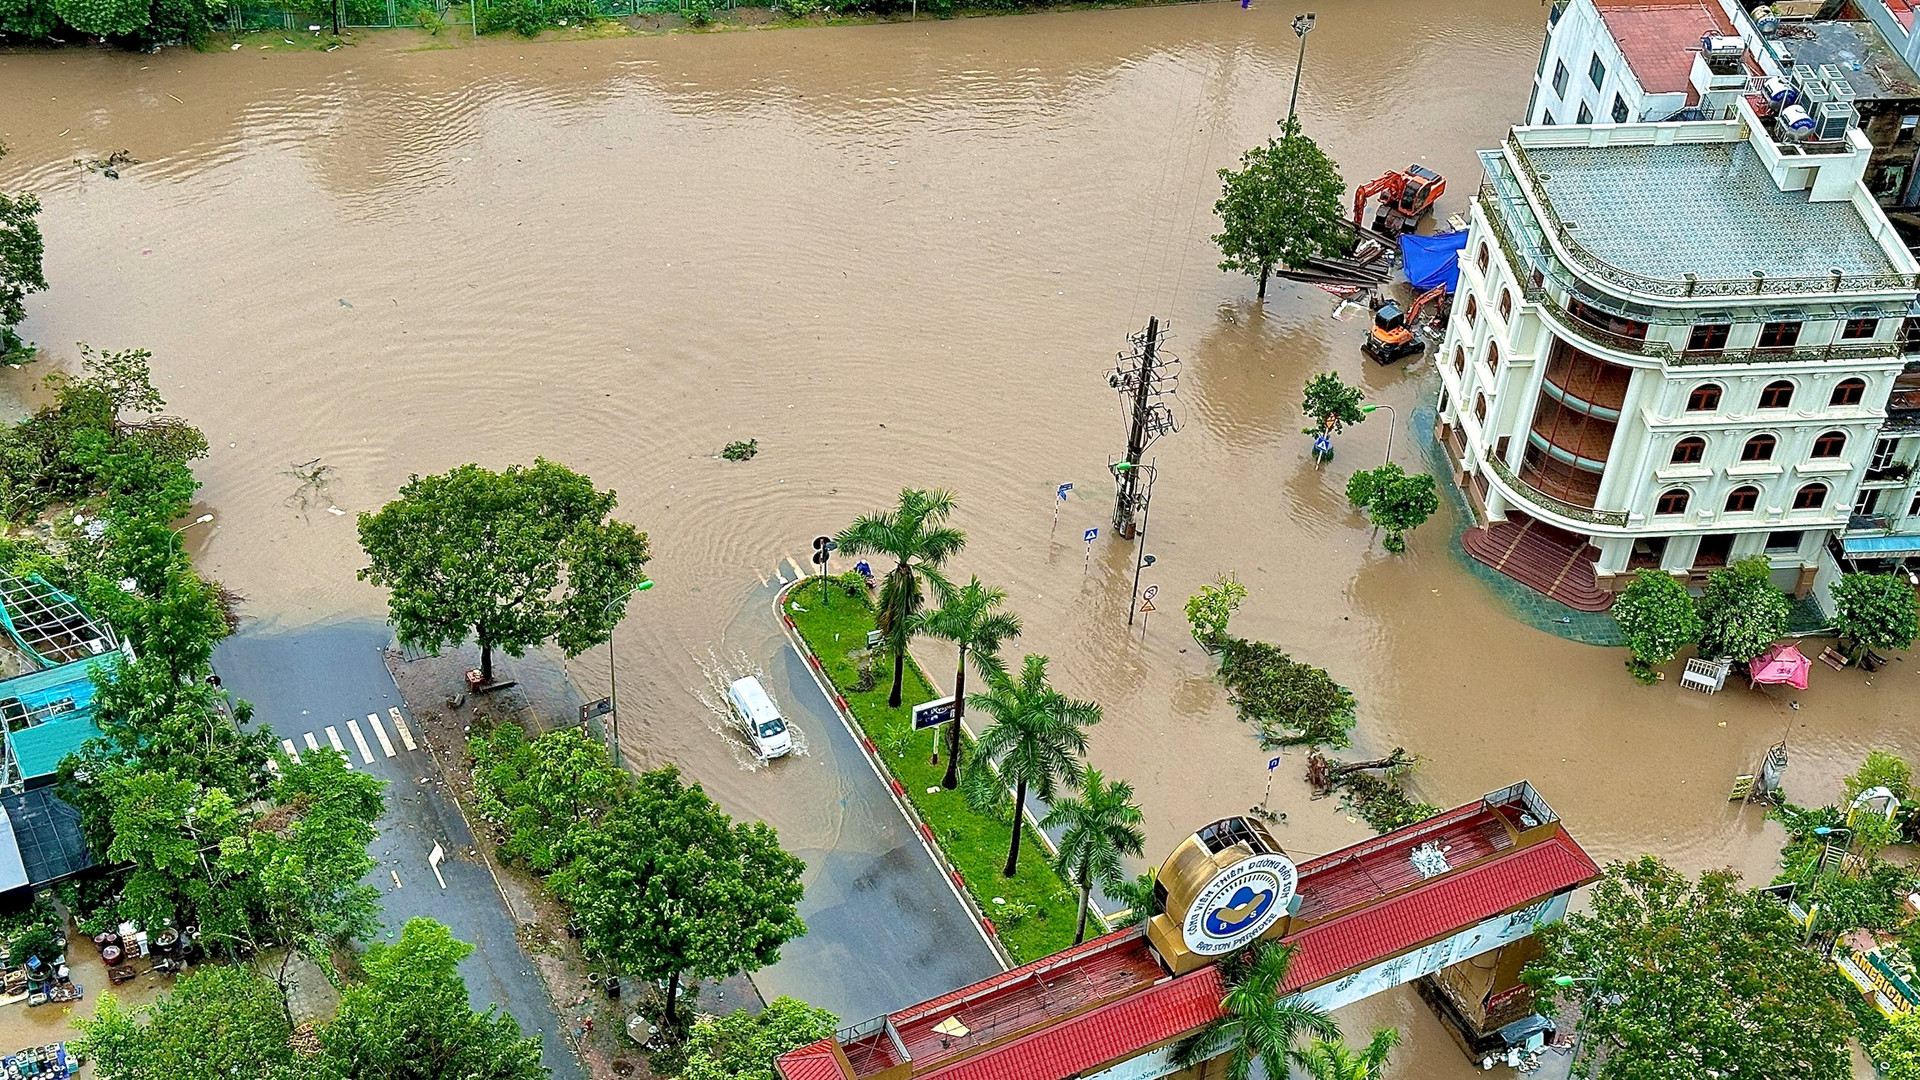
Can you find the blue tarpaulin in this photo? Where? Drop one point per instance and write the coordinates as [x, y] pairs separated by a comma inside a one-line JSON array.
[[1433, 260]]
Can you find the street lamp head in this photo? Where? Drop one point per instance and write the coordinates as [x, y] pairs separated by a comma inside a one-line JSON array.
[[644, 586], [1303, 23], [203, 519], [1147, 560], [1828, 830]]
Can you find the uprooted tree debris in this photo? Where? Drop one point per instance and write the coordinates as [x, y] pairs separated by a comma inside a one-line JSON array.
[[1378, 799]]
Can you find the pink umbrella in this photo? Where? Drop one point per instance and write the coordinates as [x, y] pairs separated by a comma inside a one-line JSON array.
[[1782, 663]]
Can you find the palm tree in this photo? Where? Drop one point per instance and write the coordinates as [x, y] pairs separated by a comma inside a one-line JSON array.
[[1102, 824], [1035, 741], [970, 619], [913, 534], [1256, 1023], [1332, 1059], [1136, 900]]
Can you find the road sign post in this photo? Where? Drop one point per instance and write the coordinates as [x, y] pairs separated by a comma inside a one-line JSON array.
[[1147, 608], [1059, 496], [1272, 764], [823, 549], [1090, 536]]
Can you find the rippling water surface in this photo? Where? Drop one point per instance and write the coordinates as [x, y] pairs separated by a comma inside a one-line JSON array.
[[896, 255]]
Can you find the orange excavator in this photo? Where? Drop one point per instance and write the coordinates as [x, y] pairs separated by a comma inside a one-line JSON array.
[[1392, 336], [1405, 198]]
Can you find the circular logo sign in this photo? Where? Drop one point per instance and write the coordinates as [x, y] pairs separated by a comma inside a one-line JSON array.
[[1239, 904]]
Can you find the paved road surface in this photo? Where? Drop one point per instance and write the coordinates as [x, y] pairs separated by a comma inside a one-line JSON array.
[[884, 929], [303, 682]]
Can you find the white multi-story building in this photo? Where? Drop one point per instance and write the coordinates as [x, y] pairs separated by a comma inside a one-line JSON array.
[[1624, 61], [1673, 344]]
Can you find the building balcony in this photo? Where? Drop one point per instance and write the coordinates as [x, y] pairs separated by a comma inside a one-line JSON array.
[[1586, 384], [1550, 507], [1869, 523], [1576, 439]]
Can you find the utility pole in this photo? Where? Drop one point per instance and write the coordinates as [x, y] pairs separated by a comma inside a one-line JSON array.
[[1144, 375]]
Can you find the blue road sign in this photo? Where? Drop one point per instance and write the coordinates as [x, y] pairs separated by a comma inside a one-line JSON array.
[[1273, 763], [1322, 444], [1062, 493], [1092, 535]]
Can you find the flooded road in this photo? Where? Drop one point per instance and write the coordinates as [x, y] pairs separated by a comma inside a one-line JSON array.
[[895, 255]]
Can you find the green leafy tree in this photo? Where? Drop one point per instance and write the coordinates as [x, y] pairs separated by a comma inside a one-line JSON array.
[[1330, 405], [105, 18], [1102, 825], [409, 1019], [1741, 612], [1657, 618], [1393, 501], [1136, 900], [21, 272], [1333, 1059], [740, 1046], [667, 886], [511, 558], [302, 864], [915, 535], [1289, 703], [1898, 1050], [1678, 979], [1210, 609], [1881, 769], [540, 790], [1035, 742], [1259, 1021], [219, 1021], [1282, 207], [971, 618], [1874, 611]]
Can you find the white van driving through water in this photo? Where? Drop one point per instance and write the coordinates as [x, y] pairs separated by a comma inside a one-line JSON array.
[[765, 728]]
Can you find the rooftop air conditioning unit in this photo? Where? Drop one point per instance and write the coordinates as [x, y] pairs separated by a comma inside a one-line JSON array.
[[1802, 74], [1815, 93], [1832, 73], [1718, 47], [1842, 91], [1833, 120]]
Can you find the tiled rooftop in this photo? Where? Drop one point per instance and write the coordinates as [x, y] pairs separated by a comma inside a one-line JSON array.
[[1660, 37], [1709, 209]]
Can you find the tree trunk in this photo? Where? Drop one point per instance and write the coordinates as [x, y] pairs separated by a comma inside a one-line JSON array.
[[486, 661], [672, 1023], [286, 1005], [1264, 271], [1019, 806], [1080, 931], [952, 779], [899, 675]]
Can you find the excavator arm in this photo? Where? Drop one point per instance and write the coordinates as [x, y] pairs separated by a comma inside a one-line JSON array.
[[1390, 185], [1431, 296]]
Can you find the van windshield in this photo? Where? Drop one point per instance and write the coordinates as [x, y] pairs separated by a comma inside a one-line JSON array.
[[771, 728]]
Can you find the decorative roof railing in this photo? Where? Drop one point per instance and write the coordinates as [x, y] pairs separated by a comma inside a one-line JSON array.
[[1613, 518]]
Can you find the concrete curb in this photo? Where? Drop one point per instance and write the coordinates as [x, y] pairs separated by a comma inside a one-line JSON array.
[[895, 790]]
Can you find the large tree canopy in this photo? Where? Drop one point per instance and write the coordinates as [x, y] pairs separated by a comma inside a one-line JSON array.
[[1679, 981], [1282, 207], [512, 559]]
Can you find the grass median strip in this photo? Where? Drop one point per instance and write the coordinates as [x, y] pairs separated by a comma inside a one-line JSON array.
[[1037, 913]]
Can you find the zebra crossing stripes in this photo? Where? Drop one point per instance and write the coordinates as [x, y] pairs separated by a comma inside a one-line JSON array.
[[357, 731], [380, 732], [360, 742], [400, 725]]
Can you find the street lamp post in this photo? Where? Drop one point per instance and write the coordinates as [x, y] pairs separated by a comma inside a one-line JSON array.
[[613, 685], [1140, 556], [201, 520], [1580, 1032], [1393, 419], [1825, 831], [1301, 24]]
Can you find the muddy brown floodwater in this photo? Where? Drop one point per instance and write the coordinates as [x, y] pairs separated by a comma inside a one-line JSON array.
[[895, 255]]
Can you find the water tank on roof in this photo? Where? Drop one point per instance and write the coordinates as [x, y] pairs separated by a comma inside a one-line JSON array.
[[1781, 92], [1765, 20], [1797, 120], [1722, 47]]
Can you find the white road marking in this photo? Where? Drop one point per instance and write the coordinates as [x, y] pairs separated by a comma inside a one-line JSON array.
[[312, 743], [380, 732], [360, 741], [433, 860], [293, 753], [400, 725], [396, 879], [334, 738], [273, 766], [761, 576], [797, 572]]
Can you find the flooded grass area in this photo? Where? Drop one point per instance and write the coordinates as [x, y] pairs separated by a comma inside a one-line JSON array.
[[1034, 910]]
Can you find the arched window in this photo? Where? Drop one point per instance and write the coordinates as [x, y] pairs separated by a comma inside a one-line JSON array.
[[1493, 357], [1480, 407], [1810, 497], [1480, 260], [1830, 444], [1689, 450], [1506, 303], [1742, 499], [1704, 398], [1473, 307], [1672, 501], [1777, 395], [1759, 448], [1849, 392], [1459, 360]]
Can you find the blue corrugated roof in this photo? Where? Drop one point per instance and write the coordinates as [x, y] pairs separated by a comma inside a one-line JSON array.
[[37, 750], [1898, 544]]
